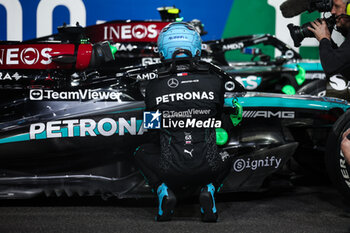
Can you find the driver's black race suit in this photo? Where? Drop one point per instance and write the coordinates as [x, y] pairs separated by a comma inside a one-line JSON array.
[[191, 102]]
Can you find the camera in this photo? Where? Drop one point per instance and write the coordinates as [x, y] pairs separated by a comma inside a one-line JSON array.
[[320, 5], [298, 33]]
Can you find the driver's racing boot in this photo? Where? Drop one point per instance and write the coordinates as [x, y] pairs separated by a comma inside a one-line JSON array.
[[207, 203], [166, 202]]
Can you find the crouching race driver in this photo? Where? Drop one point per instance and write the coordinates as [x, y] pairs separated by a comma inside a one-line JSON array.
[[191, 97]]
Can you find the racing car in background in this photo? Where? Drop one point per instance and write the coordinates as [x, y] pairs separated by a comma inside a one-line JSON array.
[[286, 73], [69, 123], [136, 44]]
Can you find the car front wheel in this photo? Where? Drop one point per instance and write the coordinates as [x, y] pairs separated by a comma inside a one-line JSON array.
[[337, 168]]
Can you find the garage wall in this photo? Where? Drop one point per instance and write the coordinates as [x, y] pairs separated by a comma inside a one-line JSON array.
[[26, 19]]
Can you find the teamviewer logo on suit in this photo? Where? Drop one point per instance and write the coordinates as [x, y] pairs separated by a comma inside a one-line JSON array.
[[36, 94], [151, 120]]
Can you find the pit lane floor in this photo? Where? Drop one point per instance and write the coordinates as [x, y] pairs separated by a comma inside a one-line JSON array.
[[307, 207]]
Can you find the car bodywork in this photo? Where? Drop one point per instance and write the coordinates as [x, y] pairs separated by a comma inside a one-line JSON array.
[[85, 146], [136, 42], [72, 128]]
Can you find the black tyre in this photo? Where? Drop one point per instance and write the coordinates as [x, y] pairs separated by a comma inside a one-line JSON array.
[[337, 168]]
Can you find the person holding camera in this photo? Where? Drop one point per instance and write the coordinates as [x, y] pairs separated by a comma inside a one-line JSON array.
[[336, 60]]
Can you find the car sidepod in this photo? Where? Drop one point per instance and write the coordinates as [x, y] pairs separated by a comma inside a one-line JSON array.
[[274, 129]]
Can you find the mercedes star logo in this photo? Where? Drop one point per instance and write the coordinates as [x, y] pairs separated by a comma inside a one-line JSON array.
[[173, 83]]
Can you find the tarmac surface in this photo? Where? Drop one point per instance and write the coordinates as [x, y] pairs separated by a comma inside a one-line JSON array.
[[306, 207]]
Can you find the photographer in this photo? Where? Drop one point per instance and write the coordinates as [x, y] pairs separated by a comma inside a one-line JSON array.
[[334, 60]]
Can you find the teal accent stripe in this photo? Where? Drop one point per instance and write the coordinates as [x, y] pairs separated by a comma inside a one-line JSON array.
[[306, 66], [244, 101], [64, 133], [17, 138], [285, 102]]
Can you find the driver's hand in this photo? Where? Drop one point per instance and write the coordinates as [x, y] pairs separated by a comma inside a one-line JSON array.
[[345, 146], [320, 30]]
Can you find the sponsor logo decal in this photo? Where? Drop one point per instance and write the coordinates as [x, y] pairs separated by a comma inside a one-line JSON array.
[[189, 152], [224, 155], [86, 127], [39, 94], [178, 38], [124, 47], [188, 138], [36, 94], [253, 164], [173, 83], [233, 46], [27, 56], [124, 32], [185, 114], [151, 120], [250, 83], [147, 76], [311, 76], [185, 96], [150, 61], [190, 81], [269, 114], [338, 82], [11, 77], [182, 74]]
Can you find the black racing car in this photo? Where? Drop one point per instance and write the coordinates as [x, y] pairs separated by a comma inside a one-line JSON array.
[[70, 122], [67, 129], [136, 40]]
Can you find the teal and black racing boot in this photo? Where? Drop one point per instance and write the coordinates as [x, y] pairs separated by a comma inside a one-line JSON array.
[[207, 204], [166, 201]]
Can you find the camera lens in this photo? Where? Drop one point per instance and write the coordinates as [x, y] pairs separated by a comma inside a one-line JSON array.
[[298, 33]]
